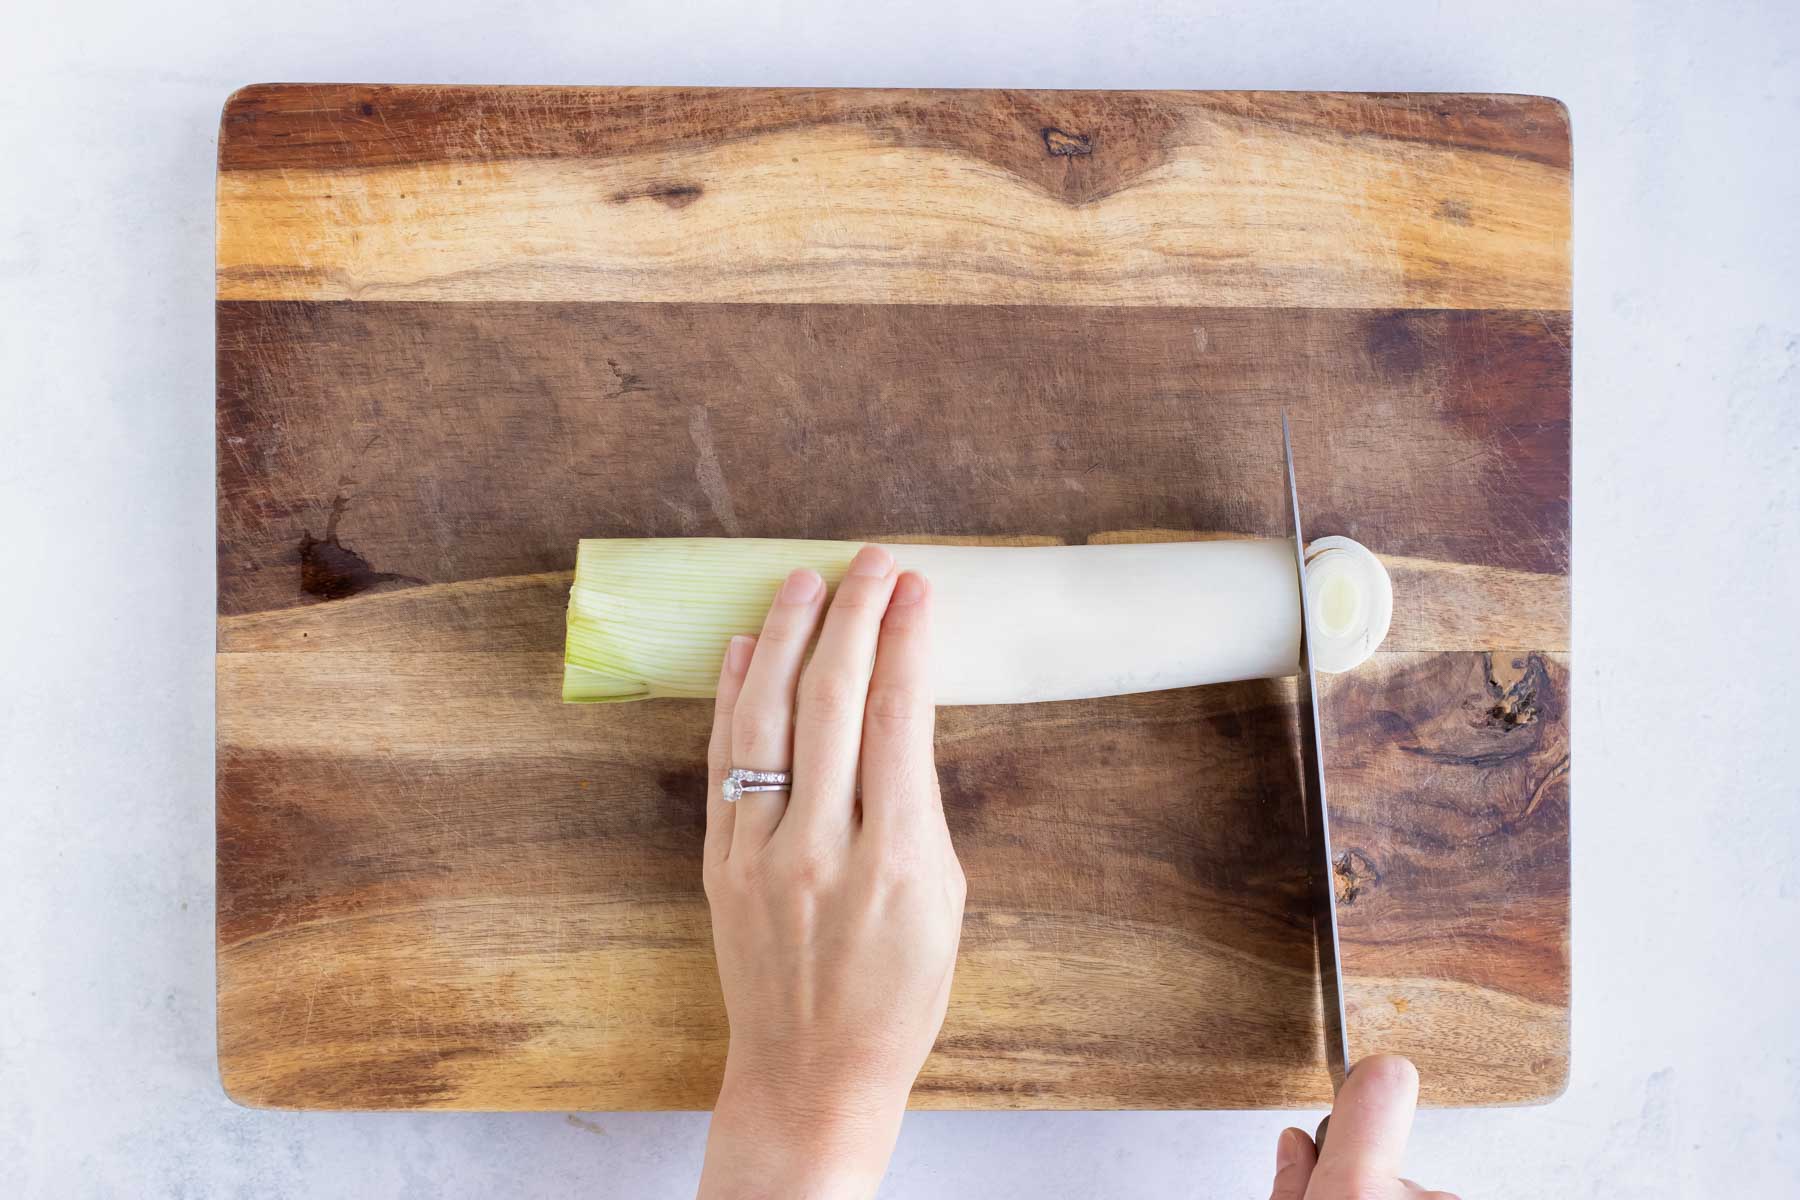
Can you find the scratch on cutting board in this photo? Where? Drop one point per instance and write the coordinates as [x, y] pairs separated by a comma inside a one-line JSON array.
[[708, 472], [591, 1126]]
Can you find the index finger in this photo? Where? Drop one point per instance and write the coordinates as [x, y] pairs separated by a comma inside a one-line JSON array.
[[1370, 1121]]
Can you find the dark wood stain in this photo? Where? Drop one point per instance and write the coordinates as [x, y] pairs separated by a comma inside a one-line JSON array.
[[1067, 145], [1522, 701], [330, 570], [670, 195], [1454, 211], [1354, 873]]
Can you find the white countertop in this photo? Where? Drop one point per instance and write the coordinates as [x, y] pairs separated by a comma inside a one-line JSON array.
[[1687, 532]]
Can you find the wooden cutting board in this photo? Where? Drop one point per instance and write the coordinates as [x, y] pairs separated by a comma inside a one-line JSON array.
[[459, 329]]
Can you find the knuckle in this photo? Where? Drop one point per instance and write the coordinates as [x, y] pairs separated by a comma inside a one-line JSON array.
[[796, 869], [750, 873], [859, 595], [758, 733], [903, 619], [828, 697], [783, 628], [806, 870], [899, 860], [897, 704]]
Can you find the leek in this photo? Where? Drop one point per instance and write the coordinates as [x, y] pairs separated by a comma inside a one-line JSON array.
[[651, 616]]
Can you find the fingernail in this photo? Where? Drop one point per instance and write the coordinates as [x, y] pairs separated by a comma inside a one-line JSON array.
[[872, 561], [1287, 1149], [909, 590], [801, 586], [737, 655]]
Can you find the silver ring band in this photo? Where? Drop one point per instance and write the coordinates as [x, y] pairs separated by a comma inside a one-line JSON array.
[[738, 781]]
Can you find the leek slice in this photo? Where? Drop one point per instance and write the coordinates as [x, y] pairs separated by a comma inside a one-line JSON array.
[[651, 616]]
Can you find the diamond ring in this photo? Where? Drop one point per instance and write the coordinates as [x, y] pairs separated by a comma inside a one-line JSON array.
[[738, 781]]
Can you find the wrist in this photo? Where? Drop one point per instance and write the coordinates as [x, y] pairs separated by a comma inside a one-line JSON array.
[[775, 1134]]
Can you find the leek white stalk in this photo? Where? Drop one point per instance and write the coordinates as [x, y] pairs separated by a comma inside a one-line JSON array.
[[651, 617]]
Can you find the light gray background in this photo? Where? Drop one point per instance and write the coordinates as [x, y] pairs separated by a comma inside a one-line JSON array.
[[1687, 531]]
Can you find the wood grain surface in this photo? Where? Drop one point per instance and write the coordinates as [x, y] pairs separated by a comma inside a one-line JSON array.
[[459, 329], [894, 198]]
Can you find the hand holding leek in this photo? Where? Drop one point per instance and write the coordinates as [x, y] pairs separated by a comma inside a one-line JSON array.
[[836, 909]]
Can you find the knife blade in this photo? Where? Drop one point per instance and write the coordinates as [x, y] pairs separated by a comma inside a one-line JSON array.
[[1320, 869]]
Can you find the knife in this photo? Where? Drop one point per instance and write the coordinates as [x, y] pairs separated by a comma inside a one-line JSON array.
[[1318, 816]]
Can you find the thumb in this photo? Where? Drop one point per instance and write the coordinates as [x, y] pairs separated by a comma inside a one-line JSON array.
[[1370, 1122], [1294, 1159]]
